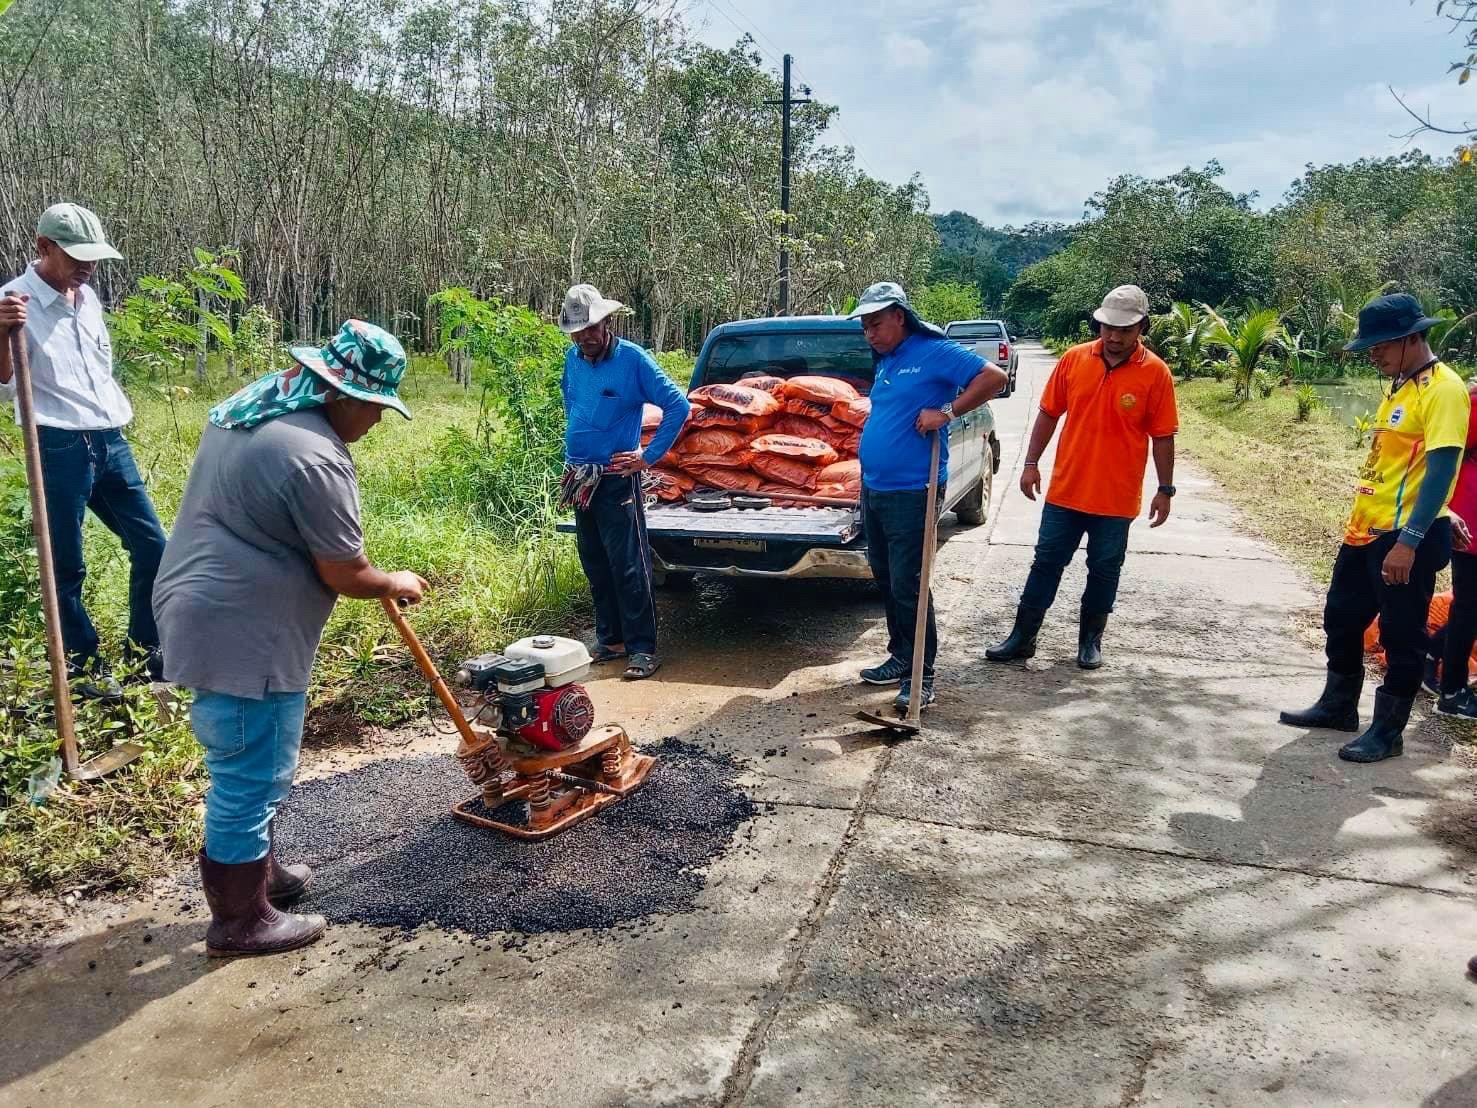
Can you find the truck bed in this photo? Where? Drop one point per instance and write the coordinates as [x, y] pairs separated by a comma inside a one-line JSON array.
[[817, 526]]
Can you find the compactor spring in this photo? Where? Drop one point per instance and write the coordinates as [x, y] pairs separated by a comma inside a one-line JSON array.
[[485, 766], [540, 795], [610, 762]]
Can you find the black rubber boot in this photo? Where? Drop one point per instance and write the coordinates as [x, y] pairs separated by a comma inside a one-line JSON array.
[[1337, 709], [1090, 639], [1384, 737], [242, 920], [1020, 644], [284, 883]]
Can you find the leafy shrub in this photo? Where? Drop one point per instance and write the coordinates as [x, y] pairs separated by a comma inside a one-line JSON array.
[[1307, 400]]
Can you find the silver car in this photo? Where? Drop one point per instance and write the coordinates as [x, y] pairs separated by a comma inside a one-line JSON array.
[[990, 339]]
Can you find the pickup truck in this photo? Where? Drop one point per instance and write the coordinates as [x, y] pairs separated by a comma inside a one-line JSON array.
[[803, 542], [990, 339]]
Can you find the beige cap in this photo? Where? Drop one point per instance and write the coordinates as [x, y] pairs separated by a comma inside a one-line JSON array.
[[1123, 307], [585, 307]]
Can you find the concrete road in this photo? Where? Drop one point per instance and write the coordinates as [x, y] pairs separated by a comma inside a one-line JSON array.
[[1125, 887]]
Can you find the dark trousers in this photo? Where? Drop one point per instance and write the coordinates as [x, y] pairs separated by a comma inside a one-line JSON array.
[[1061, 533], [95, 469], [1358, 593], [611, 537], [893, 525], [1453, 643]]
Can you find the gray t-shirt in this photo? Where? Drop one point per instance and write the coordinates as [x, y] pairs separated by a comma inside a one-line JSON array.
[[239, 603]]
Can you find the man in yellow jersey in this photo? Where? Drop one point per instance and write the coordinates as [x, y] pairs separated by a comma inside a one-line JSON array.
[[1399, 534]]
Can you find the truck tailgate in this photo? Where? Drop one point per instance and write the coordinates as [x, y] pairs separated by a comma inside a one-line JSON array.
[[813, 526]]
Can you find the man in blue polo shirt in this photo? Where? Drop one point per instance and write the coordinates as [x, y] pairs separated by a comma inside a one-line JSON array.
[[606, 381], [922, 381]]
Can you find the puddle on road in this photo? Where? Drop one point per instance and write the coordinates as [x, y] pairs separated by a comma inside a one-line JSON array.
[[386, 852]]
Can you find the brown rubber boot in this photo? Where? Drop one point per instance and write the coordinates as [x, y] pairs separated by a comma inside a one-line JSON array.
[[284, 883], [242, 920]]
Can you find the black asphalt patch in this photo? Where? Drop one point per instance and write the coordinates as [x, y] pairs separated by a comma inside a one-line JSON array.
[[386, 851]]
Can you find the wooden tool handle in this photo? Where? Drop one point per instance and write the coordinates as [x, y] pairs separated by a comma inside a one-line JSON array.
[[61, 692], [433, 675]]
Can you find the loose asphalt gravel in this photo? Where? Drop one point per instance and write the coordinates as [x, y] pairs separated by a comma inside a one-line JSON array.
[[385, 850]]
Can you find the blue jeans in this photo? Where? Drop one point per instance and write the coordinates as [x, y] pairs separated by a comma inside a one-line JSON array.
[[893, 524], [95, 469], [1061, 533], [611, 538], [251, 750]]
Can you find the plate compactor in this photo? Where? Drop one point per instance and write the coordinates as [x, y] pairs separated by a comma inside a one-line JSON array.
[[541, 747]]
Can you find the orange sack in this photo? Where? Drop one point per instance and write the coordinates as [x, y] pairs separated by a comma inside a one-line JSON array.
[[816, 451], [811, 409], [775, 386], [745, 401], [854, 412], [722, 417], [822, 390], [803, 426], [846, 474], [732, 480], [651, 417], [782, 470], [738, 459], [710, 440]]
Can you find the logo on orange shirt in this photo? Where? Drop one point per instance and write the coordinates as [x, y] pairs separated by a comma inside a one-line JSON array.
[[1127, 400]]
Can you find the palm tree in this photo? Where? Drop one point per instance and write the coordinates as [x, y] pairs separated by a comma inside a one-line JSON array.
[[1178, 336], [1246, 343]]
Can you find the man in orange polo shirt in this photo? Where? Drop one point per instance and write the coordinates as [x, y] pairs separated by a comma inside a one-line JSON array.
[[1118, 397]]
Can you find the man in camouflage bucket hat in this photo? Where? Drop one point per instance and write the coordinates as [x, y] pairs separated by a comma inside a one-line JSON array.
[[266, 540]]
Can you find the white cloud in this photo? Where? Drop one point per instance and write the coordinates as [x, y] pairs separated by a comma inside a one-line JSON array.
[[905, 52], [1021, 109], [1215, 24]]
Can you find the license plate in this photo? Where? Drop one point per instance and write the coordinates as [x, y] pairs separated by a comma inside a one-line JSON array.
[[755, 546]]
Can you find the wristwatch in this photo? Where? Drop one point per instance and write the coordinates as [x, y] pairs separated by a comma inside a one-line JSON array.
[[948, 409], [1167, 490]]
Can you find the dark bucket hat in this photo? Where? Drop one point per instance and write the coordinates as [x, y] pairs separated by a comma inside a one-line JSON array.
[[1385, 318]]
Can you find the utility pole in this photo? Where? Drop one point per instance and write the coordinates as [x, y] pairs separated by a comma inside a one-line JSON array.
[[784, 105]]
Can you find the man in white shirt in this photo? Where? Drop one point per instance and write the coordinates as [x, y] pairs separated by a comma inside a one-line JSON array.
[[80, 413]]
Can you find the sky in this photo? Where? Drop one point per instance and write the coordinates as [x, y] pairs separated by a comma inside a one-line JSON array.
[[1015, 110]]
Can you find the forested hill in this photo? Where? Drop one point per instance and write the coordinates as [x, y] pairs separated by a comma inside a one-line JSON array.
[[361, 155], [991, 257]]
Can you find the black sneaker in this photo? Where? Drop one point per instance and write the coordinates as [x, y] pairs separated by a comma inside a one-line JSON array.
[[94, 681], [904, 688], [1461, 704], [1431, 676], [145, 665], [889, 672]]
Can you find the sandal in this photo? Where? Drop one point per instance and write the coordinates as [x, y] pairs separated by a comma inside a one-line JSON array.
[[603, 653], [641, 667]]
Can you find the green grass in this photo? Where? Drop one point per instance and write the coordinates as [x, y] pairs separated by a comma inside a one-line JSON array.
[[1295, 481], [430, 503]]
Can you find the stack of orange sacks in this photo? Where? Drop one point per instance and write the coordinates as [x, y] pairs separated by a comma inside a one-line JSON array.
[[766, 435]]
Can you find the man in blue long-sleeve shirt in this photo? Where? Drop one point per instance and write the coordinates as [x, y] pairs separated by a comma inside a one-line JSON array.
[[606, 381]]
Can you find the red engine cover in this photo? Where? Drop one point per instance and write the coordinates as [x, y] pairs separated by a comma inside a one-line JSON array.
[[565, 716]]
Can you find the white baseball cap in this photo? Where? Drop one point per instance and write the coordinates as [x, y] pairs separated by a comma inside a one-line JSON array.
[[1123, 307]]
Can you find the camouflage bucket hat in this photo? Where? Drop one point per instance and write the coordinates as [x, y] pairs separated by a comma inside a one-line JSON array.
[[887, 294], [362, 361]]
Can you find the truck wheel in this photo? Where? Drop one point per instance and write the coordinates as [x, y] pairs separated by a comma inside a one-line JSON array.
[[976, 503]]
